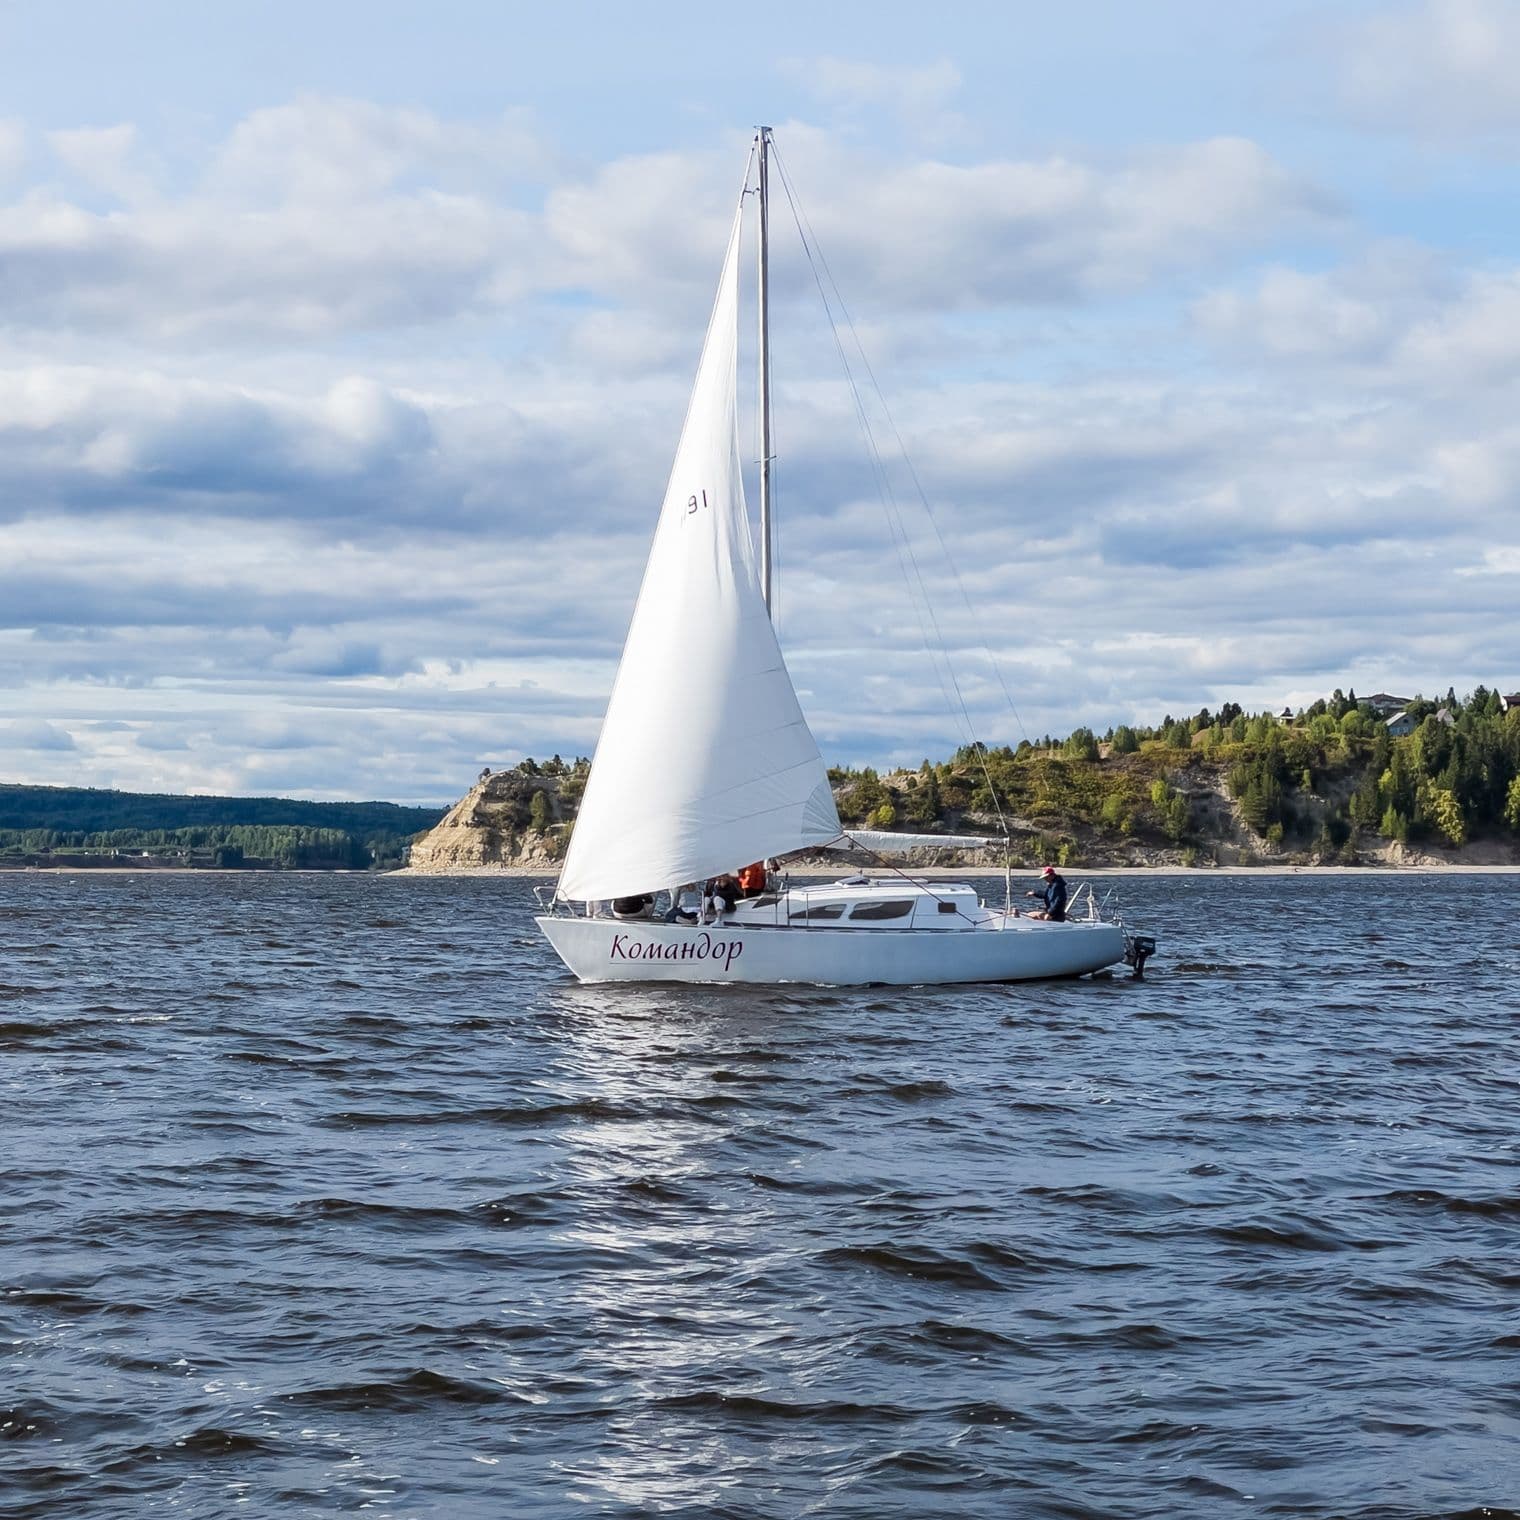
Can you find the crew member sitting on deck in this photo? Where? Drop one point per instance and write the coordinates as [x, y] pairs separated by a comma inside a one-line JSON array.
[[719, 896], [637, 906], [1053, 890], [752, 879]]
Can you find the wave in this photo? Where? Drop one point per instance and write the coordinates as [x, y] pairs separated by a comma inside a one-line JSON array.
[[823, 1187], [20, 1031], [868, 1086], [1492, 1206], [1109, 1200], [407, 1392], [966, 1338], [1288, 1235], [493, 1115], [758, 1407], [205, 1441], [1133, 1337], [70, 1302], [928, 1265]]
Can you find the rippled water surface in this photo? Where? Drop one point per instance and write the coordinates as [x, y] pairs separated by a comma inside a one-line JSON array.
[[326, 1194]]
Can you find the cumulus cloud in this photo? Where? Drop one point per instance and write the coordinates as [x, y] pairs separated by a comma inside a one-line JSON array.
[[1294, 313], [36, 736], [1445, 67], [107, 159], [1426, 361], [328, 217], [1398, 315], [938, 236], [322, 150], [184, 269], [322, 216], [13, 148], [919, 96], [329, 466], [110, 438]]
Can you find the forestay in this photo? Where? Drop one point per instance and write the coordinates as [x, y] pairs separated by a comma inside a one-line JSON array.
[[705, 761]]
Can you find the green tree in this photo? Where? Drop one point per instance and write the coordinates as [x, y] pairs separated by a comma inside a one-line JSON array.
[[1172, 810], [1082, 745], [863, 796], [1445, 813], [539, 812], [1512, 804], [1364, 804], [1125, 741], [923, 801]]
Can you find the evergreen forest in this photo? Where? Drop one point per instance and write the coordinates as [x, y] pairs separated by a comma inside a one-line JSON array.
[[55, 825], [1328, 783]]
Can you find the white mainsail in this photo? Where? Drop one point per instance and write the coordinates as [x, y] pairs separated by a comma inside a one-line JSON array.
[[705, 761]]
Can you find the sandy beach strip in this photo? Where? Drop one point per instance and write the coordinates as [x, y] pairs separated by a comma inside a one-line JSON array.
[[942, 873]]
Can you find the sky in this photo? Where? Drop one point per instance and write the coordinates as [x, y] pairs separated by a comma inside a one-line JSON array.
[[344, 349]]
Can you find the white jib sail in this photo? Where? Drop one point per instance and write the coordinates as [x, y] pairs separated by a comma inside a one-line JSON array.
[[705, 761]]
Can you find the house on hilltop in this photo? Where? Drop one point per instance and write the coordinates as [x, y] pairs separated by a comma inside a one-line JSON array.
[[1386, 706], [1405, 722], [1509, 703]]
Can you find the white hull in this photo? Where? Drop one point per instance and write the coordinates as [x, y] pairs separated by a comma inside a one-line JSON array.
[[615, 950]]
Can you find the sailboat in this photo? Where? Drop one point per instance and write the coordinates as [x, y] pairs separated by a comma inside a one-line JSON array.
[[705, 761]]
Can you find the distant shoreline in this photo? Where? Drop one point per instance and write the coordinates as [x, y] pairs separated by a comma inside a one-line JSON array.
[[539, 873], [186, 871], [932, 873]]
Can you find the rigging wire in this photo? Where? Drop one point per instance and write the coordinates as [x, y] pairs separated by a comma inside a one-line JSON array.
[[935, 646], [901, 539], [902, 449]]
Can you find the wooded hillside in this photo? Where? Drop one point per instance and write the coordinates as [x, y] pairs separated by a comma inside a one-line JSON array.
[[45, 824]]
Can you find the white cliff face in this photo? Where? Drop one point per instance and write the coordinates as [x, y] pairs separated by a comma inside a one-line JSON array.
[[491, 827]]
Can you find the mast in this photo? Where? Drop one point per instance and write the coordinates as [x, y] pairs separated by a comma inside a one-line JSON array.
[[763, 142]]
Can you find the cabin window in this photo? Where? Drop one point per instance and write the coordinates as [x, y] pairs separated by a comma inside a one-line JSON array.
[[882, 910], [948, 907], [818, 910], [765, 900]]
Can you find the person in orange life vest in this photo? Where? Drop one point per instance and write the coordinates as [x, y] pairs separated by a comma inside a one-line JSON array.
[[752, 879]]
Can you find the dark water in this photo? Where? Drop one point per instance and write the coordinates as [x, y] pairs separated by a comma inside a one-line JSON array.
[[324, 1195]]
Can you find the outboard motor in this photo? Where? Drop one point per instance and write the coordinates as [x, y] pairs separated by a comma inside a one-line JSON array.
[[1138, 949]]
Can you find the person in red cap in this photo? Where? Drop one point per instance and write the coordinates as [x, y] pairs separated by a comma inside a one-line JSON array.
[[1053, 890]]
